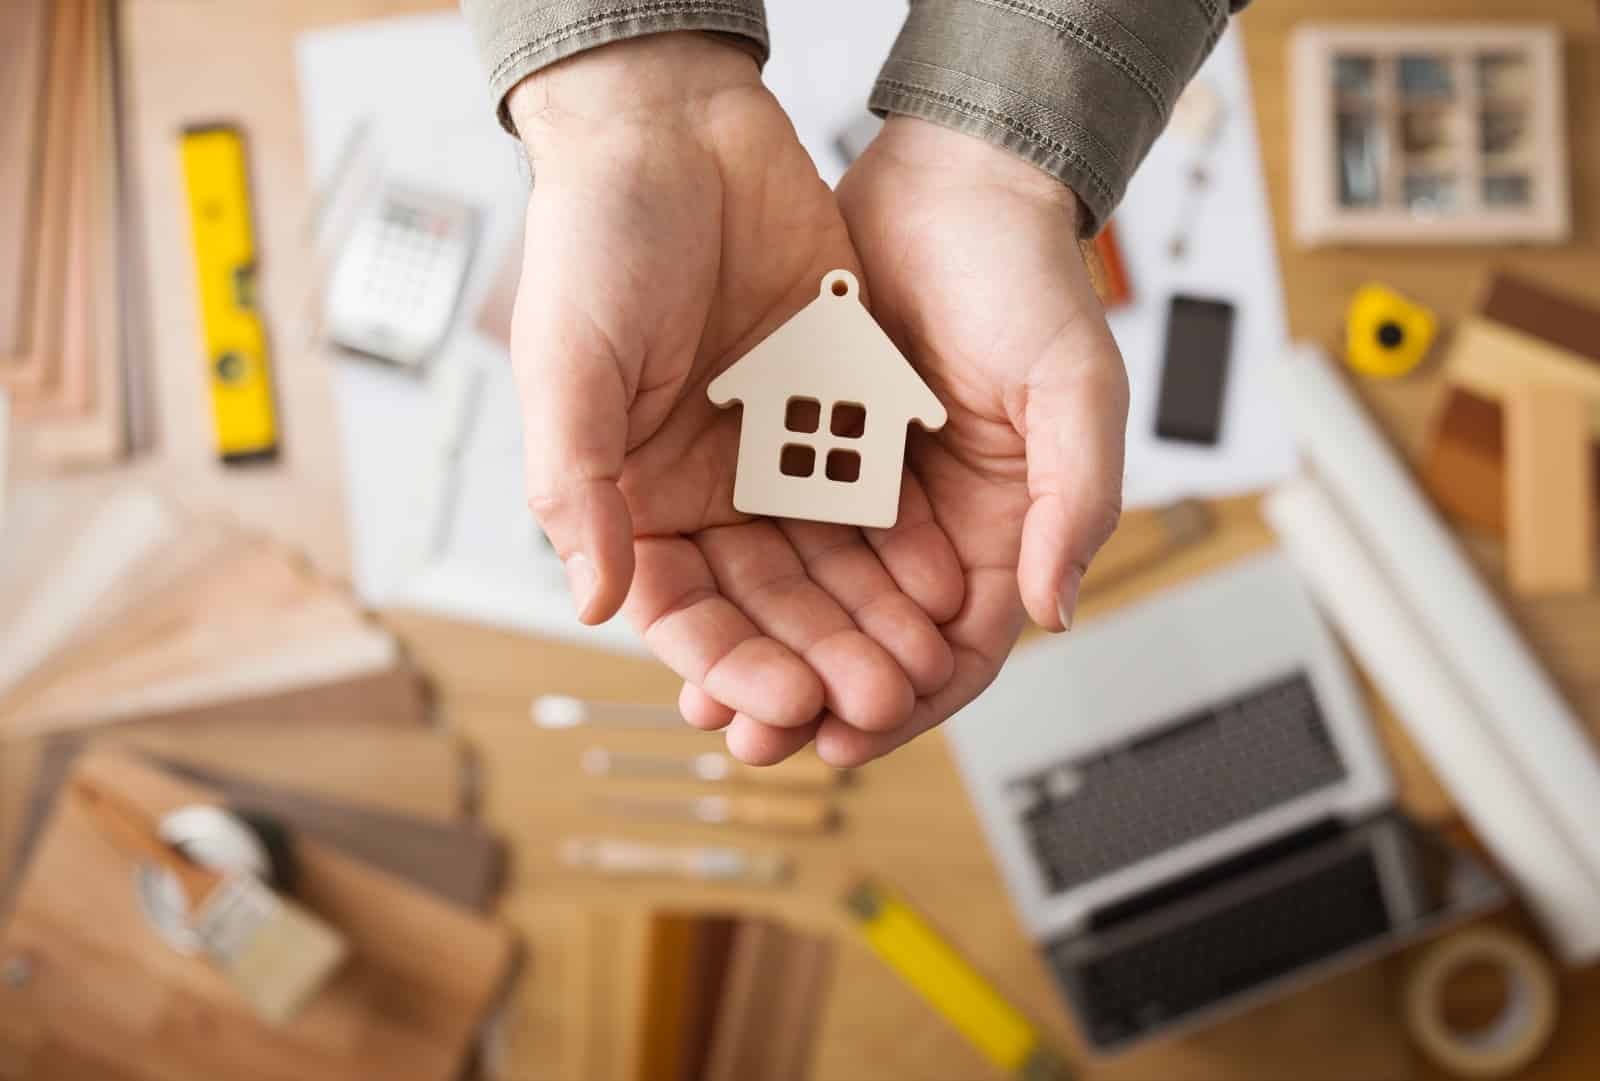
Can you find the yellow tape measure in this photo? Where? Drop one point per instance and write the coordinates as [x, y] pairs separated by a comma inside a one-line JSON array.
[[235, 340], [905, 941]]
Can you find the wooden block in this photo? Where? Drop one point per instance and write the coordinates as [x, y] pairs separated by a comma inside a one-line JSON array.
[[1560, 320], [1463, 462], [1492, 359], [1462, 465], [1550, 531], [423, 976]]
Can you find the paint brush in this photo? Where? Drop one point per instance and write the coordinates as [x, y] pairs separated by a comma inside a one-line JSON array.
[[275, 953]]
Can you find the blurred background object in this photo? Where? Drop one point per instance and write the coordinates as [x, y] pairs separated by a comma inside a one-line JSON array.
[[1311, 782], [1428, 133]]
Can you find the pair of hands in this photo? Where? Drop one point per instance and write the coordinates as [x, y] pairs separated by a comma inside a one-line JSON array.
[[675, 222]]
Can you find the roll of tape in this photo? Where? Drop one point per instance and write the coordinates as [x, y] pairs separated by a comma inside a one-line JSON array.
[[1513, 1039]]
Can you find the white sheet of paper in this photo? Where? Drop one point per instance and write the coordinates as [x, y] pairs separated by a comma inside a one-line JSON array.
[[433, 124], [1231, 257], [420, 81]]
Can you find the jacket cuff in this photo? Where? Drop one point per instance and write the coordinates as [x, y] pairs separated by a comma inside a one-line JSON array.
[[519, 37], [1064, 84]]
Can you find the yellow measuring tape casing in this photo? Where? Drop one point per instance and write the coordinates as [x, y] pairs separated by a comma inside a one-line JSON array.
[[923, 959], [233, 336], [1387, 335]]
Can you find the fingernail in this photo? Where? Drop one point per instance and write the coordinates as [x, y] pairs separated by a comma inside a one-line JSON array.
[[581, 580], [1067, 602]]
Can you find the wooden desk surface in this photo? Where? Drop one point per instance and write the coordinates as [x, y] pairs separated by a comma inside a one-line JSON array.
[[907, 817]]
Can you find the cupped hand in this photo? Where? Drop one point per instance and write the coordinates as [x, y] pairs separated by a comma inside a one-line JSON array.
[[675, 221], [972, 259]]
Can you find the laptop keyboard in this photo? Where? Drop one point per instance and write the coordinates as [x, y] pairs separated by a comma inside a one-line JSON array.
[[1125, 991], [1200, 773]]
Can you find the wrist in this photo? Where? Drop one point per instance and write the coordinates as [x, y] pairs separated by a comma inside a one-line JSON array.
[[652, 78], [959, 158]]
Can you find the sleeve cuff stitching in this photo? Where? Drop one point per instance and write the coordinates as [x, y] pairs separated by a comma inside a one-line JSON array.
[[1094, 42], [603, 18], [1033, 135], [1216, 18]]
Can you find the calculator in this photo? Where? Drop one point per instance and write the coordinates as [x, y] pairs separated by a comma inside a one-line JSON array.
[[397, 280]]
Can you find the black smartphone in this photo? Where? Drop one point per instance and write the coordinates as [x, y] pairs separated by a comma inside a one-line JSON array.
[[1194, 373]]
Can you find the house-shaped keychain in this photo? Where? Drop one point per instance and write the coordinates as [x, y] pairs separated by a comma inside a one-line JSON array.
[[827, 398]]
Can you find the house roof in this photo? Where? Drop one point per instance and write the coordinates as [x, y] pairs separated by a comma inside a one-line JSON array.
[[833, 349]]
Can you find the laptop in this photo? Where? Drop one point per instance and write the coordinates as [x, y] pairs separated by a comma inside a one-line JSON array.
[[1191, 809]]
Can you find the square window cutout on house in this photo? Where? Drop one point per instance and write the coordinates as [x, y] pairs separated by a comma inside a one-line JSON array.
[[844, 466], [849, 420], [802, 415], [797, 460]]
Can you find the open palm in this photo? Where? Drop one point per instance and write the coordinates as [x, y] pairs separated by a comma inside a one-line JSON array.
[[663, 243], [974, 268]]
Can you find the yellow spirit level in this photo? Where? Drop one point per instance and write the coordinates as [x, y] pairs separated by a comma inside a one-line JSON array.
[[235, 341], [918, 955]]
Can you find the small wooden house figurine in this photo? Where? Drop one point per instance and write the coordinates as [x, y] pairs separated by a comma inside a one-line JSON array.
[[827, 398]]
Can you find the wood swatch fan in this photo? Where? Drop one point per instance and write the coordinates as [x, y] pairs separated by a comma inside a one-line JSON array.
[[120, 606]]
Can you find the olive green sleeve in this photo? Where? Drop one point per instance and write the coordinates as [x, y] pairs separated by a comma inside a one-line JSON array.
[[1079, 88], [518, 37]]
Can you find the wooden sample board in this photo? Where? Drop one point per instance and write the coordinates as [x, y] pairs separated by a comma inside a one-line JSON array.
[[329, 750], [456, 859], [64, 362], [103, 989], [22, 74], [1549, 490], [125, 607]]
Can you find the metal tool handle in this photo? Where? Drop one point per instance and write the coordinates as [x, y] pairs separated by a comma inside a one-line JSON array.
[[798, 813]]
